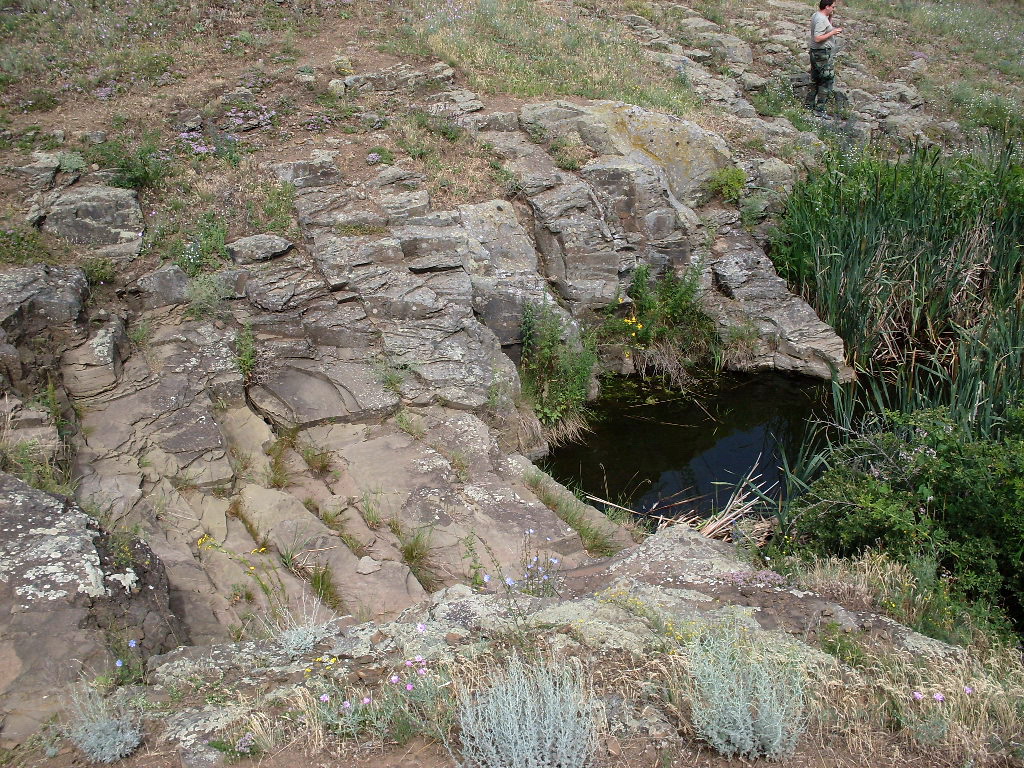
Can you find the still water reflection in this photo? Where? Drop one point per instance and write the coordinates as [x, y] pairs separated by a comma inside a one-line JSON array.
[[652, 449]]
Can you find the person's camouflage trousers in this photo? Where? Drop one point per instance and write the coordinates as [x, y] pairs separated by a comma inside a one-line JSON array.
[[823, 75]]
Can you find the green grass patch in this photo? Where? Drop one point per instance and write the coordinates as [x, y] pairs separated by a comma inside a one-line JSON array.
[[205, 249], [597, 539], [728, 183], [529, 50], [21, 245], [555, 368], [28, 462], [136, 165], [321, 581], [416, 553], [246, 356]]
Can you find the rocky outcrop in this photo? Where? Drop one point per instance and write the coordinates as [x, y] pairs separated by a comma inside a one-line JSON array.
[[69, 592], [361, 399], [37, 304], [344, 429], [767, 326]]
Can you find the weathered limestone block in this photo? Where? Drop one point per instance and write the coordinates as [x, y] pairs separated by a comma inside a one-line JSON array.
[[506, 245], [400, 207], [338, 257], [454, 103]]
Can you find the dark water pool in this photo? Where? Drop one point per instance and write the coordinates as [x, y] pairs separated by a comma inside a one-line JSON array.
[[651, 448]]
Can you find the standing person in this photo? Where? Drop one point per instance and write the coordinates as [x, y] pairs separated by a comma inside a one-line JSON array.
[[822, 49]]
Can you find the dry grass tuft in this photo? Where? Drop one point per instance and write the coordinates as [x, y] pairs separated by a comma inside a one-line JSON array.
[[961, 709]]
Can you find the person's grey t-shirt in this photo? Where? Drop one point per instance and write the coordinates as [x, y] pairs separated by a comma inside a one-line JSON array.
[[820, 24]]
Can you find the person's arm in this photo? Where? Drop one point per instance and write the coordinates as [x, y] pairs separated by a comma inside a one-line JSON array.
[[827, 35]]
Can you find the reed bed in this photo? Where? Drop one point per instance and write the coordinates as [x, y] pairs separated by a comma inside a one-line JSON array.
[[919, 265]]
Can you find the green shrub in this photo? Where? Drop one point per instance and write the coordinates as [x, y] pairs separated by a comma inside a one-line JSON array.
[[299, 632], [437, 124], [40, 100], [665, 327], [71, 162], [135, 167], [206, 295], [99, 270], [245, 353], [555, 366], [776, 98], [416, 553], [989, 110], [321, 581], [278, 209], [728, 183], [932, 494], [206, 249], [746, 694], [381, 155], [532, 715], [27, 461]]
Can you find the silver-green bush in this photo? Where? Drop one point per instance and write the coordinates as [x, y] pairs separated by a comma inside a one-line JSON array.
[[530, 717], [297, 631], [746, 696], [104, 729]]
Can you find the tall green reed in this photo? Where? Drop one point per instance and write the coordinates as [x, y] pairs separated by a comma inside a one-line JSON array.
[[919, 265]]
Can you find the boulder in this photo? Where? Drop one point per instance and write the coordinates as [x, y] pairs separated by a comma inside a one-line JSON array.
[[40, 173], [95, 366], [163, 287], [401, 77], [38, 297], [765, 326], [734, 52], [66, 589], [93, 214], [687, 154], [255, 248], [318, 171]]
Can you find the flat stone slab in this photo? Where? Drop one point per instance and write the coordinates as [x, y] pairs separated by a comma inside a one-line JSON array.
[[304, 393], [94, 214]]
